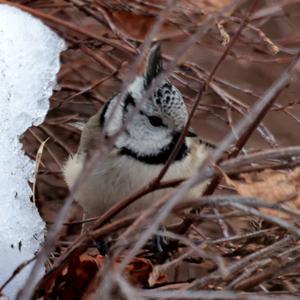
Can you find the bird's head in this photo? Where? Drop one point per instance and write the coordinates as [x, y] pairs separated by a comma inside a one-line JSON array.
[[161, 113]]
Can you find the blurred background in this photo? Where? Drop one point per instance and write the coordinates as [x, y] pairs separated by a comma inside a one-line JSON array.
[[104, 37]]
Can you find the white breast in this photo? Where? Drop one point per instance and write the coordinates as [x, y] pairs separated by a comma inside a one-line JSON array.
[[115, 178]]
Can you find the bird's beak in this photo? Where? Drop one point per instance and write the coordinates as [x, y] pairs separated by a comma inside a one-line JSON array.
[[191, 133]]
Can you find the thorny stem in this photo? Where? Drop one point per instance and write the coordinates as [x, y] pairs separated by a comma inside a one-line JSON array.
[[159, 180], [199, 96], [26, 292], [186, 224], [232, 166], [165, 205]]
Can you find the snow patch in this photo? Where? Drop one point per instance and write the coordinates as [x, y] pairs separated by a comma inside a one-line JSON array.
[[29, 62]]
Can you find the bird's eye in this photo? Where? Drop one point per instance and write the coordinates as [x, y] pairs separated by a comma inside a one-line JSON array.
[[155, 121]]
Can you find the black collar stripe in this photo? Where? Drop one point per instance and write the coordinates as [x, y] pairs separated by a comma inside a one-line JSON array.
[[162, 156]]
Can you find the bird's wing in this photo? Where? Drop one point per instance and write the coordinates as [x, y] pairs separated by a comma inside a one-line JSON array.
[[90, 132]]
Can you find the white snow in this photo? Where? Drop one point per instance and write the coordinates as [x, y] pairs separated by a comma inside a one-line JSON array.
[[29, 62]]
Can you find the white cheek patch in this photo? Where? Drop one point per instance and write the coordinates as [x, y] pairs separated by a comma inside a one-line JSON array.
[[143, 138]]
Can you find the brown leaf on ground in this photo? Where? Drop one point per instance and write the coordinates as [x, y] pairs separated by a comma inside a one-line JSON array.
[[75, 278], [272, 186], [139, 271]]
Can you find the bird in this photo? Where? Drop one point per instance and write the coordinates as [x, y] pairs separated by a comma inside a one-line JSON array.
[[142, 149]]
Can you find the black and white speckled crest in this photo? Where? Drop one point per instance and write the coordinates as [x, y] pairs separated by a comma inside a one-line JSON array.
[[167, 99], [169, 102]]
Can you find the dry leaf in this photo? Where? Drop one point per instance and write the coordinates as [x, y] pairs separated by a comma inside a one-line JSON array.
[[156, 276], [79, 273], [139, 270], [135, 19], [75, 278], [273, 187]]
